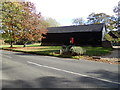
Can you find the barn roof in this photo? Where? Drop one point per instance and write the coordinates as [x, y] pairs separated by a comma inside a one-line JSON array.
[[78, 28]]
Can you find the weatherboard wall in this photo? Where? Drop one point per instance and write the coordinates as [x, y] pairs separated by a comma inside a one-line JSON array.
[[83, 38], [90, 35]]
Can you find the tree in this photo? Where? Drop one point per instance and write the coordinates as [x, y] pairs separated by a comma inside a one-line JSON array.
[[11, 13], [116, 10], [51, 22], [34, 26], [78, 21], [110, 21], [22, 22]]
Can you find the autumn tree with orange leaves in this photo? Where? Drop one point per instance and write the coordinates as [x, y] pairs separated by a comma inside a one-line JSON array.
[[33, 24], [21, 22]]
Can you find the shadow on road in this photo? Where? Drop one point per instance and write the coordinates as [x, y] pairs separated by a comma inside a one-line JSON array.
[[43, 82], [107, 75], [15, 84], [59, 82]]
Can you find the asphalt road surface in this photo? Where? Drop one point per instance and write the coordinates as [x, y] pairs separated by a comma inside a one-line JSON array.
[[20, 70]]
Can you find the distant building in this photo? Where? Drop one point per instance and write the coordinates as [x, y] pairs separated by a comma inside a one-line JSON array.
[[91, 35]]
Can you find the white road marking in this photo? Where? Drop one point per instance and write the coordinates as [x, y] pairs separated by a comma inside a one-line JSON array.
[[73, 72]]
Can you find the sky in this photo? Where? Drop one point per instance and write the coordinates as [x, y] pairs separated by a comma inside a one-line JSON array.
[[64, 11]]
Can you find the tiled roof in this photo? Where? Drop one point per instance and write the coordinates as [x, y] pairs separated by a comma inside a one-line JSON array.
[[78, 28]]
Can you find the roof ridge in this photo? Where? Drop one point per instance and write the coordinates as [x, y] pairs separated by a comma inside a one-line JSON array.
[[78, 25], [78, 28]]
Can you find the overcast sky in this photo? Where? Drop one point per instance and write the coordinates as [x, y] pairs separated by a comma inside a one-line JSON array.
[[65, 10]]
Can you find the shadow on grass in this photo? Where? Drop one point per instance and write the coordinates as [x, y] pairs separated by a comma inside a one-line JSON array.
[[54, 53], [47, 52], [23, 53]]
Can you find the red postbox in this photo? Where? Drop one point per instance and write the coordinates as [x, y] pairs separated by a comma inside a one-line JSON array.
[[72, 40]]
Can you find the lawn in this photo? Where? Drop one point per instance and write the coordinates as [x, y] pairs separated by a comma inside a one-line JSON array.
[[54, 50], [30, 45], [97, 51]]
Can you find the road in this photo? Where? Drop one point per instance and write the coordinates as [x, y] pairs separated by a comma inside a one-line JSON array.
[[20, 70]]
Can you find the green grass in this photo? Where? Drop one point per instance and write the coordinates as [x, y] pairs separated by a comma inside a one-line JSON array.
[[54, 50], [48, 50], [30, 45], [33, 45], [3, 46], [97, 51]]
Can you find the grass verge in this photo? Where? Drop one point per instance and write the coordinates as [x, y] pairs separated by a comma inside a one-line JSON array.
[[55, 51]]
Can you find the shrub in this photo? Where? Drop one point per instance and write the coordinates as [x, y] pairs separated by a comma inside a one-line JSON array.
[[71, 50], [77, 51], [66, 49]]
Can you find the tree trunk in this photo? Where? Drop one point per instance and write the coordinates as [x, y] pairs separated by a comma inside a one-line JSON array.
[[24, 45], [40, 42], [11, 44]]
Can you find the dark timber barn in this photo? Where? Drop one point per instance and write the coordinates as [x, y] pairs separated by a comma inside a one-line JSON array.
[[90, 35]]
